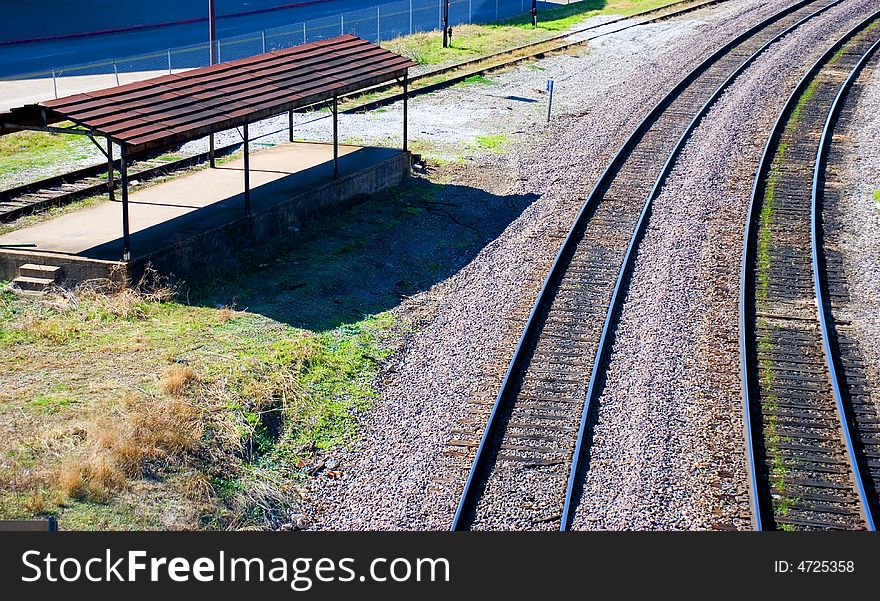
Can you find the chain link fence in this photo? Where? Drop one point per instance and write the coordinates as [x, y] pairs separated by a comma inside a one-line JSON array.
[[376, 24]]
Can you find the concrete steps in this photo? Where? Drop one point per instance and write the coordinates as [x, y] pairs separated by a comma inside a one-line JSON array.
[[36, 278]]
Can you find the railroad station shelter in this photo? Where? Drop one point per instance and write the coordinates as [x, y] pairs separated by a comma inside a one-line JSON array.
[[154, 115]]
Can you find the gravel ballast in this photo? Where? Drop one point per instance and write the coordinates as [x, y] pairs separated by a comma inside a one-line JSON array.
[[668, 447], [860, 222], [400, 477]]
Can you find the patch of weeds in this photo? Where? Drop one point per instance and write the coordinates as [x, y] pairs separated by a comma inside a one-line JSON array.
[[476, 80], [217, 414], [50, 403], [492, 142]]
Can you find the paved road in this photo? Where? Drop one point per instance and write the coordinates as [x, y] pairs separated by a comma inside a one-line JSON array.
[[27, 20]]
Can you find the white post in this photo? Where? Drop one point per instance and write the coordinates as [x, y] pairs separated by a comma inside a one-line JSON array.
[[264, 41], [378, 27], [116, 72], [54, 83], [169, 61], [410, 17], [342, 24], [304, 32], [218, 52], [470, 11]]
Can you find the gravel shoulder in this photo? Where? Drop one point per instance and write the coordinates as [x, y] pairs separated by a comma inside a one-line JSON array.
[[401, 476], [668, 451], [860, 235]]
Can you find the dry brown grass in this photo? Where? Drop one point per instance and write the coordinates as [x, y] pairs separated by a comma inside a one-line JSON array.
[[225, 314], [177, 379], [52, 328], [117, 446]]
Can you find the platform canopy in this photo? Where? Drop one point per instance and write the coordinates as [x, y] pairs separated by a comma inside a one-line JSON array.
[[167, 111], [164, 112]]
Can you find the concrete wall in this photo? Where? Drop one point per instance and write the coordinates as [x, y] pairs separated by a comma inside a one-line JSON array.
[[74, 270], [224, 248]]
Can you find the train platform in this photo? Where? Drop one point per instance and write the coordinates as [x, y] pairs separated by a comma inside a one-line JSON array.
[[185, 221]]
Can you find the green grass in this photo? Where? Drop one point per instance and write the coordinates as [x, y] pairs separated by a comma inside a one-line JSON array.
[[38, 150], [877, 198], [475, 41], [492, 142], [477, 80]]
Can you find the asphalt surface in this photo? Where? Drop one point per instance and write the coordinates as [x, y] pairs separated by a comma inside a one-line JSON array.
[[28, 21]]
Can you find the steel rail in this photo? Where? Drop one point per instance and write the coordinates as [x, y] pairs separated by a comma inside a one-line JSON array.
[[97, 170], [604, 346], [822, 304], [761, 173], [467, 498]]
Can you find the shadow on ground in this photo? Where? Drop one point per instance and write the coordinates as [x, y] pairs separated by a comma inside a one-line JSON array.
[[370, 257]]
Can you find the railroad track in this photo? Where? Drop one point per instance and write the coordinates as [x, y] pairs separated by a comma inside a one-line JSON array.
[[526, 464], [812, 434], [82, 183]]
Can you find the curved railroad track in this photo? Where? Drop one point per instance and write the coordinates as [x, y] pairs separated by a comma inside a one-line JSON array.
[[527, 463], [82, 183], [812, 436]]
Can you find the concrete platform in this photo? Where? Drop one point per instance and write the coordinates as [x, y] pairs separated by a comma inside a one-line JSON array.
[[182, 224]]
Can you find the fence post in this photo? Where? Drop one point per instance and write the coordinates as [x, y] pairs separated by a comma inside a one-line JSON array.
[[218, 52], [342, 24], [264, 40], [54, 83], [378, 25], [410, 18], [169, 61], [496, 10], [470, 11], [304, 32], [116, 72]]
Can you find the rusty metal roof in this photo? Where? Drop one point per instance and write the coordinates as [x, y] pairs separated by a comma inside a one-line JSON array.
[[173, 109]]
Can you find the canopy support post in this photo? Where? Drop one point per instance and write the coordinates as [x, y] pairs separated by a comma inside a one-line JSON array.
[[126, 236], [110, 185], [247, 172], [211, 151], [405, 110], [335, 136], [290, 126]]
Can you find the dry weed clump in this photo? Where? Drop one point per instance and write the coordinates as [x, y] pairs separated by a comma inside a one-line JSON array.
[[52, 328], [117, 447], [177, 379]]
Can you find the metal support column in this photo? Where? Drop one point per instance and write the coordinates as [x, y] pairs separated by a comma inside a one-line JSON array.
[[405, 110], [290, 126], [110, 169], [126, 236], [214, 52], [335, 136], [447, 30], [212, 31], [247, 172]]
